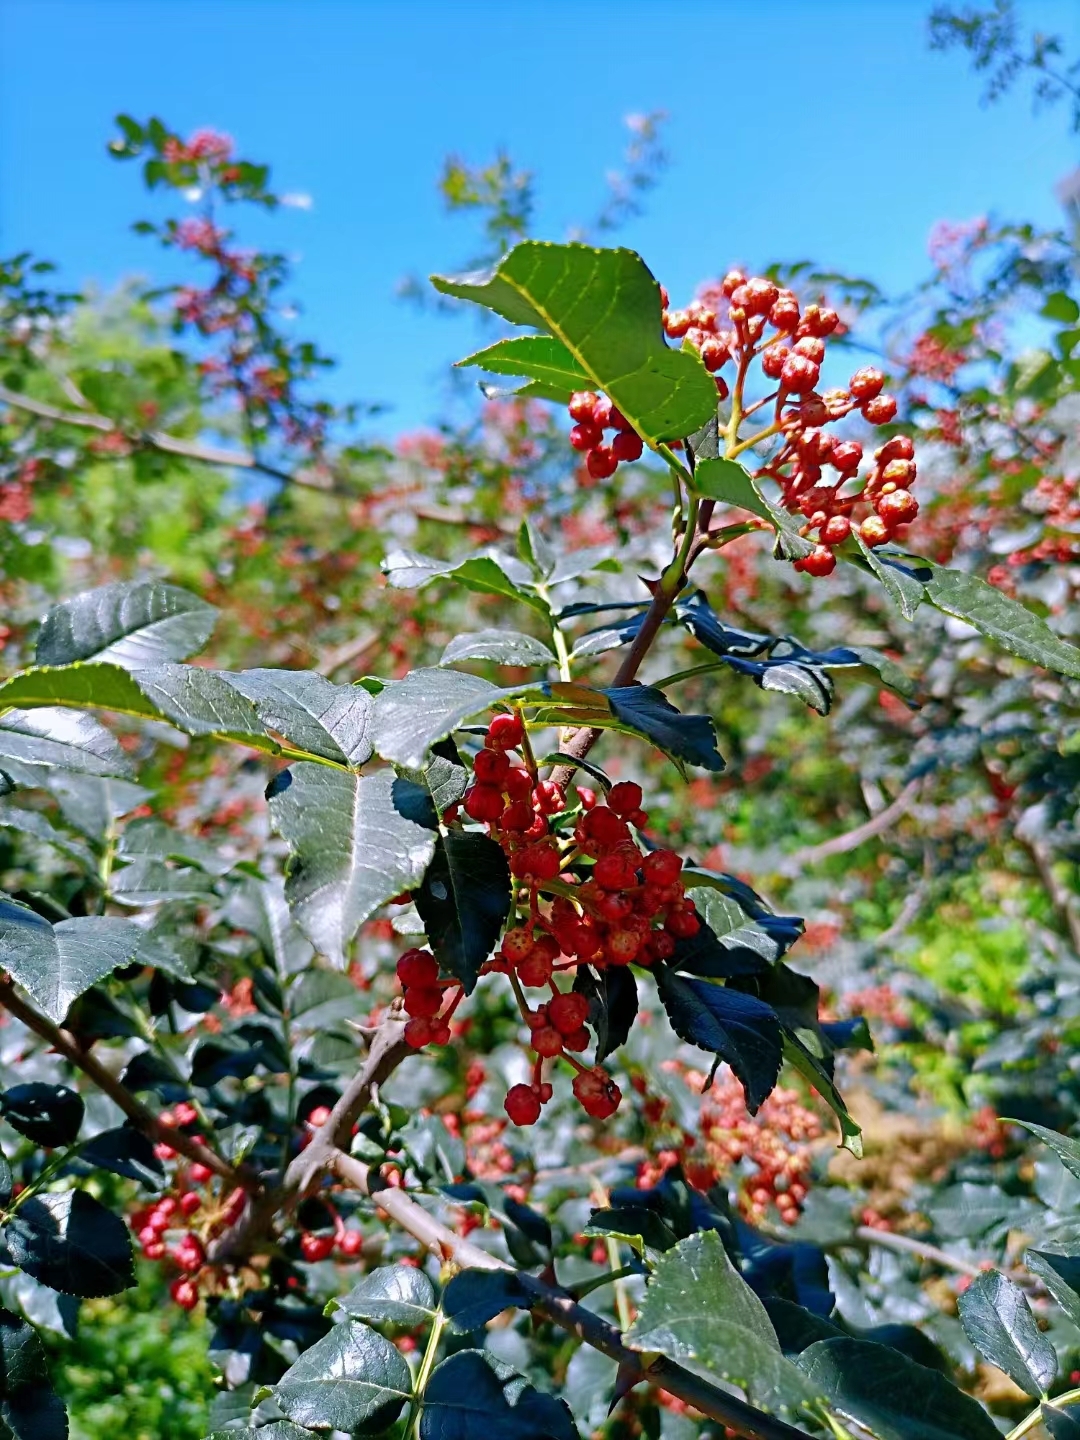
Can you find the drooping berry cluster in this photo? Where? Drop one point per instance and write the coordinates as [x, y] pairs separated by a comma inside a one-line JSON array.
[[743, 319], [592, 415], [585, 893]]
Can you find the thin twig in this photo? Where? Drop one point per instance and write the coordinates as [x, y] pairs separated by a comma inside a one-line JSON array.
[[561, 1309], [64, 1043], [852, 839]]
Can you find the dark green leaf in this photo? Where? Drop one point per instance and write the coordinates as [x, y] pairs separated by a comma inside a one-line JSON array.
[[1059, 1424], [604, 306], [810, 1066], [1061, 306], [473, 1396], [394, 1294], [967, 1209], [483, 574], [36, 744], [728, 482], [697, 1308], [1061, 1276], [39, 827], [613, 1005], [50, 1115], [473, 1297], [56, 963], [735, 1027], [351, 850], [638, 1226], [504, 647], [1005, 621], [648, 712], [1064, 1147], [463, 901], [125, 1152], [426, 706], [72, 1243], [891, 1395], [133, 624], [903, 586], [351, 1379], [276, 1430], [333, 721], [30, 1409], [998, 1321]]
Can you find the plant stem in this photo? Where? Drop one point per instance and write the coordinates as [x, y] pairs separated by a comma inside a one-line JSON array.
[[1071, 1397], [423, 1375]]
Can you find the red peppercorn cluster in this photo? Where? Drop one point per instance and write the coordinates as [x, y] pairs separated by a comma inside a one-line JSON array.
[[744, 319], [592, 415], [586, 893]]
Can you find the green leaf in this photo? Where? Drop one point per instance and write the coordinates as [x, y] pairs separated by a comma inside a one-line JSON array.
[[473, 1297], [276, 1430], [1066, 1149], [966, 1209], [70, 1242], [126, 1152], [808, 1065], [34, 744], [333, 721], [473, 1396], [39, 827], [134, 624], [735, 1027], [639, 1227], [1059, 305], [49, 1115], [1060, 1425], [351, 850], [894, 1397], [505, 647], [697, 1308], [56, 963], [1005, 621], [351, 1379], [728, 482], [604, 306], [535, 357], [998, 1321], [647, 711], [464, 901], [427, 705], [483, 574], [1061, 1276], [319, 998], [30, 1408], [895, 573], [393, 1294]]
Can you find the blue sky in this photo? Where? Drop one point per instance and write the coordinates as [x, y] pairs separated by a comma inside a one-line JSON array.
[[798, 128]]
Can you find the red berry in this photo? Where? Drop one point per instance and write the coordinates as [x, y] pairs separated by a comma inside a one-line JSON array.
[[518, 783], [615, 906], [547, 1041], [627, 446], [874, 530], [184, 1293], [522, 1104], [517, 944], [625, 797], [319, 1116], [423, 1001], [164, 1152], [731, 282], [845, 456], [351, 1242], [535, 864], [189, 1254], [483, 802], [661, 867], [440, 1032], [504, 732], [899, 507], [615, 872], [899, 447], [659, 946], [820, 320], [811, 347], [622, 946], [605, 827], [155, 1250], [491, 767], [582, 405], [866, 383], [185, 1113], [821, 561], [190, 1202], [518, 816], [418, 1032], [199, 1174], [799, 374], [549, 798], [601, 462], [536, 970], [836, 530], [418, 967], [677, 323], [568, 1011], [757, 296], [597, 1092], [785, 312], [683, 924], [586, 436], [900, 473], [316, 1247], [586, 796], [880, 410], [772, 360]]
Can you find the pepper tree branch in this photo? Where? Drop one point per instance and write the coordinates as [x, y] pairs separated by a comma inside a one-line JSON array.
[[562, 1310], [143, 1119], [150, 439]]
